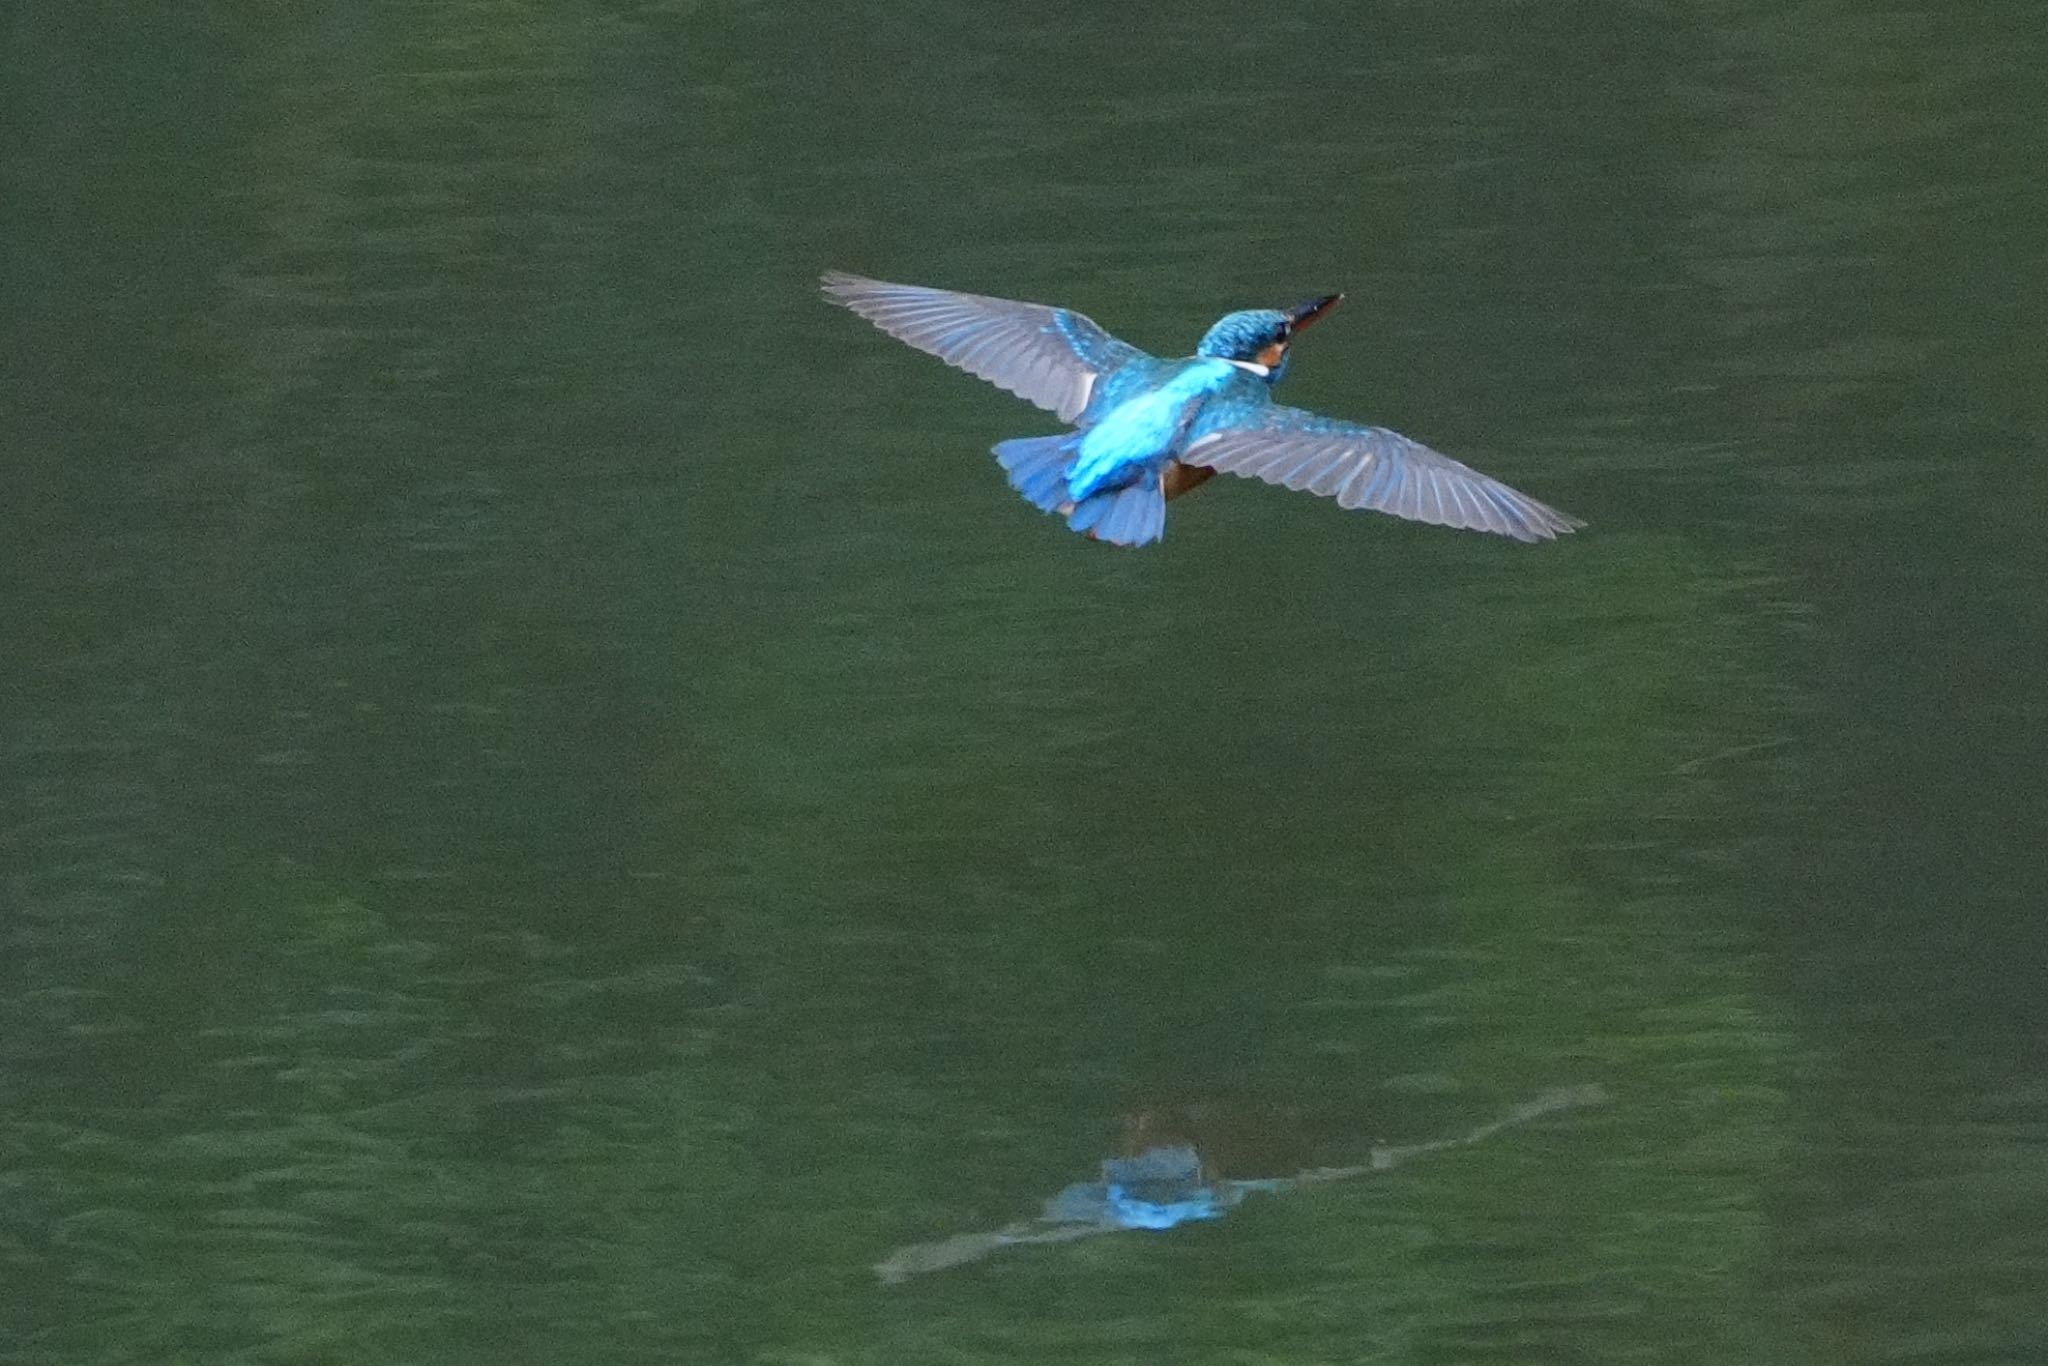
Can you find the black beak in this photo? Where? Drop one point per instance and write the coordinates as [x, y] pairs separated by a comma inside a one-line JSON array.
[[1302, 315]]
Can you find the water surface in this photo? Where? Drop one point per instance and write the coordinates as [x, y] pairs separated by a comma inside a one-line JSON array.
[[556, 809]]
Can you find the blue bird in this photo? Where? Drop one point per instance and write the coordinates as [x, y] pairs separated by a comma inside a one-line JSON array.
[[1146, 429]]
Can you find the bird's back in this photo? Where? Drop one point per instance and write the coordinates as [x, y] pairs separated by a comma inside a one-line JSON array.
[[1144, 374], [1139, 429]]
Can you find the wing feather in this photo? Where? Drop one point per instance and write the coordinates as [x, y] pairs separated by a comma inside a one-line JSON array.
[[1370, 467], [1051, 356]]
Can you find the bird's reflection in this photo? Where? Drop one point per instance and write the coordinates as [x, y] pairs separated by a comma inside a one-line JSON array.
[[1180, 1165]]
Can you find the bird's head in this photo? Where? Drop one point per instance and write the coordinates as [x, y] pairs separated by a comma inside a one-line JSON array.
[[1260, 337]]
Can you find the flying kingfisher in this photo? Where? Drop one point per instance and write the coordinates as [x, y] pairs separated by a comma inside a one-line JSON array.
[[1146, 430]]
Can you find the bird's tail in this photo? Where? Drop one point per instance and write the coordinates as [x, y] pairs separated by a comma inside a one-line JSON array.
[[1132, 515], [1038, 468]]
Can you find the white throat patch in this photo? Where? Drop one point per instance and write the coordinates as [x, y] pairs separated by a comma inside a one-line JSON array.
[[1262, 371]]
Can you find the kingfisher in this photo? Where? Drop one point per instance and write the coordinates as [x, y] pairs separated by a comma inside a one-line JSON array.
[[1146, 430]]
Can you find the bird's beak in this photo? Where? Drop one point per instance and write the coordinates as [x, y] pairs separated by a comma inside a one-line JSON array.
[[1302, 315]]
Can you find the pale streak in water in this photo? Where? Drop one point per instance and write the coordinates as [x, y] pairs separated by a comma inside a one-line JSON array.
[[919, 1258]]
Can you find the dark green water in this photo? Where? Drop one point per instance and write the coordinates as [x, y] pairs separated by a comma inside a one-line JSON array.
[[555, 809]]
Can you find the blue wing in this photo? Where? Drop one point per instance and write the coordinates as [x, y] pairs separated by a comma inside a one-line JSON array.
[[1366, 467], [1051, 356]]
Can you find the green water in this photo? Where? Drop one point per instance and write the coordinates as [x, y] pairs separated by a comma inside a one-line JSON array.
[[555, 808]]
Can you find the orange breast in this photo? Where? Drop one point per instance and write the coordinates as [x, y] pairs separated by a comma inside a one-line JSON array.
[[1180, 478]]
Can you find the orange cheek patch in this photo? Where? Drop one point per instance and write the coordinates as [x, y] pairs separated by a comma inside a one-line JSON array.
[[1270, 357]]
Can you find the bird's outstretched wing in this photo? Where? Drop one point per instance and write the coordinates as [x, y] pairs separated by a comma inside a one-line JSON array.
[[1367, 467], [1051, 356]]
